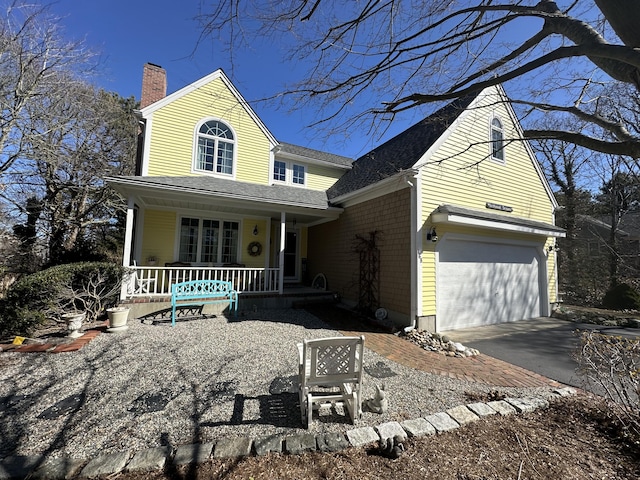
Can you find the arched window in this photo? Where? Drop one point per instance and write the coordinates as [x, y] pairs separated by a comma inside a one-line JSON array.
[[215, 148], [497, 139]]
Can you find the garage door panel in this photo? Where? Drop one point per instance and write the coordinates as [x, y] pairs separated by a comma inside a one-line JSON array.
[[482, 283]]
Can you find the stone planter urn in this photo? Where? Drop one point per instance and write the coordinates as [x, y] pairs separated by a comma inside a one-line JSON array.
[[74, 323], [118, 317]]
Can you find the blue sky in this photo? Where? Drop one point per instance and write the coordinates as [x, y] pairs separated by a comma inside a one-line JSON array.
[[129, 33]]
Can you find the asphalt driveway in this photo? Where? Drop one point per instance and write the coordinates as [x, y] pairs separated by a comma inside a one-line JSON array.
[[543, 345]]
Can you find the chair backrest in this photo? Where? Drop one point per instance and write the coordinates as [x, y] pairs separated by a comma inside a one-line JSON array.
[[334, 360]]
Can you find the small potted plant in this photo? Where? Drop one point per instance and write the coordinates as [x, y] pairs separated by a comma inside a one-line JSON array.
[[118, 317], [152, 260]]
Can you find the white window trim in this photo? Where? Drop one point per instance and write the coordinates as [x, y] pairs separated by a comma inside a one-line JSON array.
[[194, 160], [201, 219], [503, 160], [288, 173]]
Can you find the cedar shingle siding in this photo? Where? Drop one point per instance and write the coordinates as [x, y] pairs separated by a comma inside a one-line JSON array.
[[331, 249]]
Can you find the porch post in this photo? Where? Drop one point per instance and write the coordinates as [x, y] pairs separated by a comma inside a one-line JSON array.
[[128, 236], [283, 236]]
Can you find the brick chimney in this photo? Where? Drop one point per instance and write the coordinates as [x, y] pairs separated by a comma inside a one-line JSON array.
[[154, 84]]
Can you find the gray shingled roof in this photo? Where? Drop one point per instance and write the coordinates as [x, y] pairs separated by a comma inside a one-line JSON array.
[[401, 152], [316, 154], [279, 194]]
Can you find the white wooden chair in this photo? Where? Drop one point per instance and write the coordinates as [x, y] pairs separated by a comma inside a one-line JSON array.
[[330, 371], [141, 283]]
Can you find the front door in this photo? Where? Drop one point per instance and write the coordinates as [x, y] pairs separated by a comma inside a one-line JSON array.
[[291, 248]]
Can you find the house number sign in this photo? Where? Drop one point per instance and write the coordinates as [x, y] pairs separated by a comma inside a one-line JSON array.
[[497, 206]]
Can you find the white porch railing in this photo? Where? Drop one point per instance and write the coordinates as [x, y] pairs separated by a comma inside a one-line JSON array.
[[148, 281]]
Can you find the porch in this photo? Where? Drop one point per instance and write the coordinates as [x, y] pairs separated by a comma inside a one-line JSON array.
[[152, 281], [149, 288]]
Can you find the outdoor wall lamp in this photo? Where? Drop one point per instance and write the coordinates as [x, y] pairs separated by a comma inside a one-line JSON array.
[[432, 235], [552, 248], [255, 231]]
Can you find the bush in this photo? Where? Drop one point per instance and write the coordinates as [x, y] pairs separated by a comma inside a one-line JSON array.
[[622, 297], [612, 365], [90, 287]]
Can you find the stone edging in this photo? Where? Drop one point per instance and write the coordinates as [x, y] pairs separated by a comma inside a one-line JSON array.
[[156, 458]]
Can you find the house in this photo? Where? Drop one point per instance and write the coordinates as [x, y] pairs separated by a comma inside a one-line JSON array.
[[449, 224]]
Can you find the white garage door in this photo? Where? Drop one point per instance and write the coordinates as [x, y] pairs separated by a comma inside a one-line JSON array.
[[482, 283]]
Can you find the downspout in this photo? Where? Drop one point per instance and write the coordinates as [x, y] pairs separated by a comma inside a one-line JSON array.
[[413, 311]]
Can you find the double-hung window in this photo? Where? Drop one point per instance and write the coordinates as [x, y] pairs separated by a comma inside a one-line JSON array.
[[289, 173], [497, 140], [279, 171], [205, 240], [297, 176], [215, 147]]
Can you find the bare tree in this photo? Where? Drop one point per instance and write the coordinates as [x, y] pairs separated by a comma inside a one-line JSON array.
[[554, 58], [32, 53], [80, 135], [564, 165]]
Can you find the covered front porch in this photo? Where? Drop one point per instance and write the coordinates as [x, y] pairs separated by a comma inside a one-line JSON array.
[[193, 228]]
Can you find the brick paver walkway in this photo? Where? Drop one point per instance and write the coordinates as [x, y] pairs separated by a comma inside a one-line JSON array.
[[481, 368], [71, 346]]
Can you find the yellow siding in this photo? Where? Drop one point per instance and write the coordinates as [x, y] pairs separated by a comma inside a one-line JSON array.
[[158, 236], [321, 178], [173, 132], [462, 173], [248, 225]]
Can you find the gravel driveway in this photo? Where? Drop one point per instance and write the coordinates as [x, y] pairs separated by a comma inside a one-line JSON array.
[[196, 382]]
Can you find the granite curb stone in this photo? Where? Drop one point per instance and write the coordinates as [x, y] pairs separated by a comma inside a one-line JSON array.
[[296, 444], [391, 431], [192, 453], [149, 459], [481, 409], [418, 427], [19, 466], [264, 445], [462, 415], [59, 468], [36, 466], [359, 437], [106, 464], [527, 404], [502, 407], [332, 442], [565, 391], [442, 422], [233, 447]]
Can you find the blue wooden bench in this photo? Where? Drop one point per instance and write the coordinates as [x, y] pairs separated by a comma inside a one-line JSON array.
[[197, 292]]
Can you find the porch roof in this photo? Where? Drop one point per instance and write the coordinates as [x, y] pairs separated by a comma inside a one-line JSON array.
[[197, 192]]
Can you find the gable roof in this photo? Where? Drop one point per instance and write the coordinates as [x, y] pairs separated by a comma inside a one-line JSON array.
[[401, 152], [218, 74]]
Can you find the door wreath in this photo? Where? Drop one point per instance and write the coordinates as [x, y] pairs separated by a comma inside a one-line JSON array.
[[254, 249]]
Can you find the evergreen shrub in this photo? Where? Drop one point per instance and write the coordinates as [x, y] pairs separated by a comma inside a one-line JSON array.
[[88, 286]]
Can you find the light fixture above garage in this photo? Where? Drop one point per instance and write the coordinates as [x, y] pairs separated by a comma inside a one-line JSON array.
[[432, 235]]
